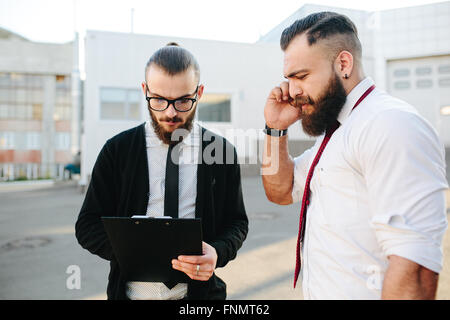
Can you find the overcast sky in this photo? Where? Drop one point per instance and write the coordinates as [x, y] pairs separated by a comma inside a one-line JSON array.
[[229, 20]]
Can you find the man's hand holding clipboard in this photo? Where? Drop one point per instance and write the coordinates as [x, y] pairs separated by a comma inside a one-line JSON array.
[[198, 267]]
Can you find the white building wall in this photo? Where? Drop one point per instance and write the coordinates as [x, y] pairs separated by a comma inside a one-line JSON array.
[[416, 31], [23, 56]]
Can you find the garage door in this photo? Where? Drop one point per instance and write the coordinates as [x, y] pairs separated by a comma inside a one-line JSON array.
[[425, 84]]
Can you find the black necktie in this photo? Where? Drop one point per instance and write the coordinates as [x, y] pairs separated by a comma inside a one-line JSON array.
[[171, 191], [171, 186]]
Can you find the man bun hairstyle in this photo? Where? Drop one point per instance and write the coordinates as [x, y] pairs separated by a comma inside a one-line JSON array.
[[174, 60], [338, 31]]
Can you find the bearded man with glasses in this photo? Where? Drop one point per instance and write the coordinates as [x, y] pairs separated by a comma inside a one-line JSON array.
[[160, 169]]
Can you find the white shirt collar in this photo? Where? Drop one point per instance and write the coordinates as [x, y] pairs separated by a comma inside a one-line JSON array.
[[192, 139], [353, 97]]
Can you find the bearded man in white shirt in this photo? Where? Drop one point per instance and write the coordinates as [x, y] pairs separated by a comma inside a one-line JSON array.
[[371, 188]]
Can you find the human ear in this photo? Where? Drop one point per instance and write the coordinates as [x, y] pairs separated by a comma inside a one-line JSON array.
[[200, 91], [344, 64], [144, 87]]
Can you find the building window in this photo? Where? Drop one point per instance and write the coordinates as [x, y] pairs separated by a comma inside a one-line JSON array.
[[62, 141], [133, 99], [444, 82], [5, 94], [33, 140], [4, 79], [444, 69], [23, 111], [7, 140], [63, 97], [402, 85], [119, 104], [422, 71], [4, 110], [401, 73], [21, 96], [424, 83], [60, 78], [215, 108], [37, 111], [62, 112]]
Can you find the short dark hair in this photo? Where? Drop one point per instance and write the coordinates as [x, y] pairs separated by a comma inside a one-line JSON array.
[[337, 28], [174, 60]]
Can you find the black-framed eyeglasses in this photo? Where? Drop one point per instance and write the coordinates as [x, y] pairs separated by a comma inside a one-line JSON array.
[[181, 104]]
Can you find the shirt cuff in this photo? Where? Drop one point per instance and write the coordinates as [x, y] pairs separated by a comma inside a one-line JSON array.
[[410, 244], [419, 253]]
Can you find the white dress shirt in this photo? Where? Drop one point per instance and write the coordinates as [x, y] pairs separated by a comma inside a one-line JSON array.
[[156, 157], [378, 190]]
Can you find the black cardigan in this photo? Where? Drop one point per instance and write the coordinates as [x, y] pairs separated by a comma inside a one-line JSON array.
[[119, 186]]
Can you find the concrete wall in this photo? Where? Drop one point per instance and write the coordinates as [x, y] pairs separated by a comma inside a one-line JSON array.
[[37, 58]]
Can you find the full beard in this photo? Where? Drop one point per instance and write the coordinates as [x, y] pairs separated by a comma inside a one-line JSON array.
[[325, 110], [175, 136]]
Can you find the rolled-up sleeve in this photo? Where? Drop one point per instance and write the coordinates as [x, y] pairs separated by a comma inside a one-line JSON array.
[[301, 168], [403, 163]]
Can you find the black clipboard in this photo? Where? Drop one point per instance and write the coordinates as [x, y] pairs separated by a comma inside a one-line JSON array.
[[145, 247]]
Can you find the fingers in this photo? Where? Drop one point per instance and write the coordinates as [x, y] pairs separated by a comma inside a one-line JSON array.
[[205, 271], [281, 93], [194, 259], [198, 267], [276, 94], [192, 268], [284, 86]]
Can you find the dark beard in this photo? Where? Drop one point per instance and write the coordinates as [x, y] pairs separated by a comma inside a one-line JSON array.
[[326, 108], [165, 136]]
